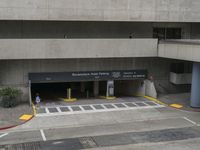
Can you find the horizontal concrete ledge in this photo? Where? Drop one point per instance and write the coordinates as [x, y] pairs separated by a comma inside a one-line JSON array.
[[76, 48], [101, 10], [180, 49]]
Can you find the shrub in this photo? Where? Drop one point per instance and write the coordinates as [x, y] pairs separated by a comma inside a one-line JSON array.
[[9, 96]]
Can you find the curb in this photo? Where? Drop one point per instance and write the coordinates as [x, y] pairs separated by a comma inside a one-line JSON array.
[[12, 126], [162, 103], [155, 100]]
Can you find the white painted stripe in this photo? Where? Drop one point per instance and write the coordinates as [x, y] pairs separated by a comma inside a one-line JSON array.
[[93, 107], [135, 104], [82, 109], [58, 109], [104, 106], [194, 123], [43, 135], [70, 108], [144, 103], [115, 107], [3, 135], [47, 110], [124, 104]]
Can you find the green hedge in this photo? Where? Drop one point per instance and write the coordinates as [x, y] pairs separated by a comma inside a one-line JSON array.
[[9, 96]]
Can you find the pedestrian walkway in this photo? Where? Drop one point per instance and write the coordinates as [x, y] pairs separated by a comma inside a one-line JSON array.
[[74, 109]]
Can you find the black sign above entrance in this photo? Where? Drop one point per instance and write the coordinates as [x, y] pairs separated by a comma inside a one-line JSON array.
[[87, 76]]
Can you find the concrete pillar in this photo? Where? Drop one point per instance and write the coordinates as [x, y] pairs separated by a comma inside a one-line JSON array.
[[195, 90], [110, 88], [96, 88]]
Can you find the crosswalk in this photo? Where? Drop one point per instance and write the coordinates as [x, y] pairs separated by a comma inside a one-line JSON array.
[[75, 109]]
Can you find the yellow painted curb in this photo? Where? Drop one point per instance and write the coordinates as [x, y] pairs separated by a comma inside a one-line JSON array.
[[176, 106], [26, 117], [155, 100], [108, 97], [69, 100], [34, 109]]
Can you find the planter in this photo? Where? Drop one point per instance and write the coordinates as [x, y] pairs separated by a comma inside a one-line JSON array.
[[8, 101]]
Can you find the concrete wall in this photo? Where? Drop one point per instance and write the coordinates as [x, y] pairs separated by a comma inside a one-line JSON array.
[[15, 72], [76, 48], [130, 88], [101, 10], [180, 49]]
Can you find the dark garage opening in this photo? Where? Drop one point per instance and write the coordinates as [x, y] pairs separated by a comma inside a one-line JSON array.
[[84, 90], [56, 91]]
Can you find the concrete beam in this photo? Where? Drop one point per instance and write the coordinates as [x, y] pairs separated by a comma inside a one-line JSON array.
[[76, 48], [101, 10], [180, 49]]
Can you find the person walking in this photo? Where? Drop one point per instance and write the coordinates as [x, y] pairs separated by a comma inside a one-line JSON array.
[[37, 100]]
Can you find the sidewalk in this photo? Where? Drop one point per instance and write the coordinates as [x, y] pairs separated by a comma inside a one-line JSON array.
[[10, 116], [179, 98]]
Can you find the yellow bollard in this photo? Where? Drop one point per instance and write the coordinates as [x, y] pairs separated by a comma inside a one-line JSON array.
[[69, 96], [69, 93]]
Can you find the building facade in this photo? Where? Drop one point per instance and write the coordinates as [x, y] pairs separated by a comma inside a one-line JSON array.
[[48, 37]]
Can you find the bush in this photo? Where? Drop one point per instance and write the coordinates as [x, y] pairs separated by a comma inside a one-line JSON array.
[[9, 96]]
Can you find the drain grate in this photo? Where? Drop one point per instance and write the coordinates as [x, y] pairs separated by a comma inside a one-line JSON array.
[[88, 142], [24, 146], [151, 103], [98, 107], [109, 106], [130, 104], [140, 104], [87, 108], [64, 109], [52, 110], [120, 105], [76, 108]]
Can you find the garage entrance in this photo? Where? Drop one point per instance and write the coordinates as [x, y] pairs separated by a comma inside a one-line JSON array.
[[58, 90], [86, 85]]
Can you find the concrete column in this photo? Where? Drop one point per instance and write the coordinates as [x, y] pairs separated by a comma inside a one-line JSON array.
[[96, 88], [195, 90], [110, 88]]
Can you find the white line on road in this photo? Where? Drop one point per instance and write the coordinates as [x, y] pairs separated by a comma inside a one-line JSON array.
[[47, 110], [194, 123], [3, 135], [43, 135]]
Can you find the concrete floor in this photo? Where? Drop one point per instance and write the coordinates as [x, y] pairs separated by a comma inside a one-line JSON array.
[[77, 130]]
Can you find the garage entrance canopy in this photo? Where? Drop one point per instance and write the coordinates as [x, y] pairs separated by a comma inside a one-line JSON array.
[[47, 77]]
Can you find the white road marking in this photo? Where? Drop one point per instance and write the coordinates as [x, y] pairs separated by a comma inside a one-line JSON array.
[[3, 135], [47, 110], [115, 107], [194, 123], [92, 107], [70, 109], [82, 109], [43, 135], [98, 110], [58, 109], [135, 104], [103, 106], [144, 103]]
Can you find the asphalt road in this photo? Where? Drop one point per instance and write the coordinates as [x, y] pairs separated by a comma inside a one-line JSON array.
[[142, 128]]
